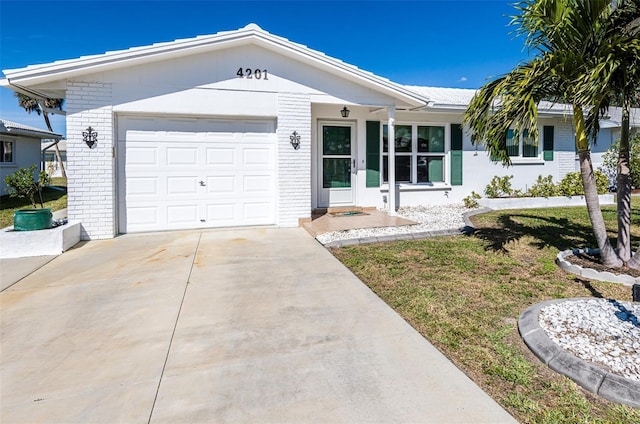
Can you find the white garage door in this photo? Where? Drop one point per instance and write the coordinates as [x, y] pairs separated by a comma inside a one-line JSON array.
[[220, 174]]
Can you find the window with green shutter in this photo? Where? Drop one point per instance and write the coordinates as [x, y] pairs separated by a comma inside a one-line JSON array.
[[373, 154], [456, 154]]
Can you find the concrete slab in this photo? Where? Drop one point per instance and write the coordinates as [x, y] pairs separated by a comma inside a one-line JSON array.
[[13, 270], [260, 325]]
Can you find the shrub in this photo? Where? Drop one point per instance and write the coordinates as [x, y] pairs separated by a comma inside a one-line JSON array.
[[22, 184], [471, 201], [571, 184], [610, 161], [499, 187], [544, 187]]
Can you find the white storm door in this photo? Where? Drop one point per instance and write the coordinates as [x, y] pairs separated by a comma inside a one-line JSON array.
[[337, 159]]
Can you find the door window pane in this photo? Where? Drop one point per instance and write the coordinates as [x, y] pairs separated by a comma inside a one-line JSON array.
[[431, 139], [336, 140], [336, 173]]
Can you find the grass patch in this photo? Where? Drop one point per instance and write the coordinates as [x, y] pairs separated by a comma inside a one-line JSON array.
[[54, 198], [465, 294]]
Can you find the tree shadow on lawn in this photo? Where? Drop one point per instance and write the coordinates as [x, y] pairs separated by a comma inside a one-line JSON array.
[[560, 233]]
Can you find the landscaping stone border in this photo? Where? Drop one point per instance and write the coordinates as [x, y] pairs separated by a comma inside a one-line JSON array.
[[592, 274], [502, 203], [586, 374]]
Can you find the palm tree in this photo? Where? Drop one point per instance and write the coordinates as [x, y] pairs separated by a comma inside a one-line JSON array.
[[619, 69], [570, 39], [30, 104]]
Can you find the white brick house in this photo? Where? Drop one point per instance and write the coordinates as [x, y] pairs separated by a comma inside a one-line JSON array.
[[197, 133]]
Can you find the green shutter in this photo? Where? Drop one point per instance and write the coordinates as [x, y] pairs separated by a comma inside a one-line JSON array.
[[547, 137], [373, 154], [456, 154]]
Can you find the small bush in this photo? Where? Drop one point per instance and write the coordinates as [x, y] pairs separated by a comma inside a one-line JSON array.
[[22, 184], [610, 161], [471, 201], [499, 187], [571, 184], [544, 187]]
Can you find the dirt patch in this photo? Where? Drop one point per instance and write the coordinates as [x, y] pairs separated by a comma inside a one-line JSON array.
[[593, 261]]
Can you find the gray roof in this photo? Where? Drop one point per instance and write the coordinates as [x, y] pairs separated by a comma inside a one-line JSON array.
[[14, 128]]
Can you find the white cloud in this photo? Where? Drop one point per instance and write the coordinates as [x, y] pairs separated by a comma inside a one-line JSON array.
[[463, 79]]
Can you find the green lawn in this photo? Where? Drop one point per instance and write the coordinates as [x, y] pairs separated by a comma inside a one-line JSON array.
[[55, 199], [465, 294]]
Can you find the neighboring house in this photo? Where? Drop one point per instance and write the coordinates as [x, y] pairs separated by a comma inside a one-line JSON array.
[[20, 148], [609, 133], [247, 128], [50, 159]]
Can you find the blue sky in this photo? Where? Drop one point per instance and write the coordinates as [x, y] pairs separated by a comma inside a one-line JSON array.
[[447, 43]]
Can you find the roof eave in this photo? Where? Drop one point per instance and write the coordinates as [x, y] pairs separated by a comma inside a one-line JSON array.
[[41, 74]]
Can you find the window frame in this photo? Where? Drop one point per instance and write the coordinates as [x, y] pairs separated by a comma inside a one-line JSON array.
[[520, 158], [2, 151], [415, 154]]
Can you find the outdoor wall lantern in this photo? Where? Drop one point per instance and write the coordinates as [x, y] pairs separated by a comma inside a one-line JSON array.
[[345, 112], [295, 140], [90, 137]]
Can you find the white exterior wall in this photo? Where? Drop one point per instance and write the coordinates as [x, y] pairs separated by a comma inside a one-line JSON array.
[[90, 172], [294, 166]]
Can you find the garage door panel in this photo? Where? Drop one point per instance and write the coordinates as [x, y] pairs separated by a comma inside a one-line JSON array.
[[163, 168], [218, 156], [256, 184], [182, 214], [143, 186], [256, 210], [182, 156], [221, 184], [142, 156], [143, 215], [182, 185], [221, 213], [256, 157]]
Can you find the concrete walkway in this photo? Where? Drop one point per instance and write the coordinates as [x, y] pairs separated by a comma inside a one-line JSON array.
[[256, 325]]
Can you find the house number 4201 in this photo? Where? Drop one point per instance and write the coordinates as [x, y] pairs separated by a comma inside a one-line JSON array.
[[249, 73]]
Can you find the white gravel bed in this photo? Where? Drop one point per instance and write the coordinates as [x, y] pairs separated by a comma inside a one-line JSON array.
[[428, 218], [602, 331]]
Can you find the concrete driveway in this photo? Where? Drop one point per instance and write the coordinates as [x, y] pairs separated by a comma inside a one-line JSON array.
[[252, 325]]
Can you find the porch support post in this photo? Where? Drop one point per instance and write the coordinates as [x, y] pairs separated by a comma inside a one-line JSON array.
[[391, 166]]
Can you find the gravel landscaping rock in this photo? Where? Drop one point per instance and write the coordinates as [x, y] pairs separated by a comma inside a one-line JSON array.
[[602, 331], [428, 218]]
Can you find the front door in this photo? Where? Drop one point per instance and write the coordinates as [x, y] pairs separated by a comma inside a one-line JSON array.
[[336, 153]]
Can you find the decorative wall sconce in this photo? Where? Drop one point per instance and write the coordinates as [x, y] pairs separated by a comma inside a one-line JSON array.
[[90, 137], [295, 140], [345, 112]]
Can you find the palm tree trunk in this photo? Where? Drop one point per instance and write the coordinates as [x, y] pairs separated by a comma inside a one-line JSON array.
[[623, 246], [57, 149], [634, 262], [607, 253]]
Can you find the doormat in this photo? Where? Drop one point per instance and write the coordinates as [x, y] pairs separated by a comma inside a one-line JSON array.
[[349, 213]]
